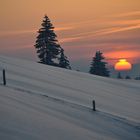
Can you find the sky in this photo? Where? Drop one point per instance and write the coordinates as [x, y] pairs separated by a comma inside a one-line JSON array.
[[82, 26]]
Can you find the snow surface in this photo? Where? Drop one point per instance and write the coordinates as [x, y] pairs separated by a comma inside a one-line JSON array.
[[42, 102]]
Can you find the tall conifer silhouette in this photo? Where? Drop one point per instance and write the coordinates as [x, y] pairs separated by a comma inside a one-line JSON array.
[[47, 46], [48, 49], [98, 66], [63, 62]]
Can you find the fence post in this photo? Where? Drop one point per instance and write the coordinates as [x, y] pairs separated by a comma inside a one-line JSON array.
[[4, 77], [93, 103]]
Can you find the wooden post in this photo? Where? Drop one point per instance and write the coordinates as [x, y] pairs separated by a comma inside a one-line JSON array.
[[93, 103], [4, 77]]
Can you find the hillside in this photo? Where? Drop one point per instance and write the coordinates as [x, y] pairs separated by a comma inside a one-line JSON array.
[[43, 102]]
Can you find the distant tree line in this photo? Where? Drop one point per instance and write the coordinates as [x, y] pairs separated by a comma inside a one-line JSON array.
[[51, 53], [137, 78], [119, 76]]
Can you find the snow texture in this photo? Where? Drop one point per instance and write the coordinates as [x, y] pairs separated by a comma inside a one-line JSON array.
[[42, 102]]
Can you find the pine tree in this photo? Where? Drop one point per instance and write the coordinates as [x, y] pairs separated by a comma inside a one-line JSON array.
[[137, 78], [127, 77], [63, 61], [98, 66], [47, 46], [119, 76]]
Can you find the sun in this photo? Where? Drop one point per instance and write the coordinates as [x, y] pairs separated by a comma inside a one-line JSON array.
[[123, 65]]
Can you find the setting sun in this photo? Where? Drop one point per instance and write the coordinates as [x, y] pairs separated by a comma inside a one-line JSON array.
[[123, 65]]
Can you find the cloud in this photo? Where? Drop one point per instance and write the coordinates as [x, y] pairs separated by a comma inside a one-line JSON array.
[[70, 39], [19, 32], [130, 55], [125, 22], [64, 28], [102, 32], [122, 54], [33, 31], [116, 29], [108, 20], [103, 27], [128, 14]]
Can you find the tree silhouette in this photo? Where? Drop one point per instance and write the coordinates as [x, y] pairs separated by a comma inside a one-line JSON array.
[[127, 77], [98, 66], [63, 61], [119, 76], [137, 78], [47, 46]]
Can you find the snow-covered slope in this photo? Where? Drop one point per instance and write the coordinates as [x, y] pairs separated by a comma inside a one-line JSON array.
[[44, 102]]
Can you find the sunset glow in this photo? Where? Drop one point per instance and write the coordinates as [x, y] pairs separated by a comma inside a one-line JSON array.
[[123, 65], [82, 27]]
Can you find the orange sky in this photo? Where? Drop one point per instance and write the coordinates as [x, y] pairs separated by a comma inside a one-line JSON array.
[[82, 26]]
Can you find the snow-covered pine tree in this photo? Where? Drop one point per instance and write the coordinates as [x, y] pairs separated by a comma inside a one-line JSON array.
[[47, 46], [98, 66], [63, 61]]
